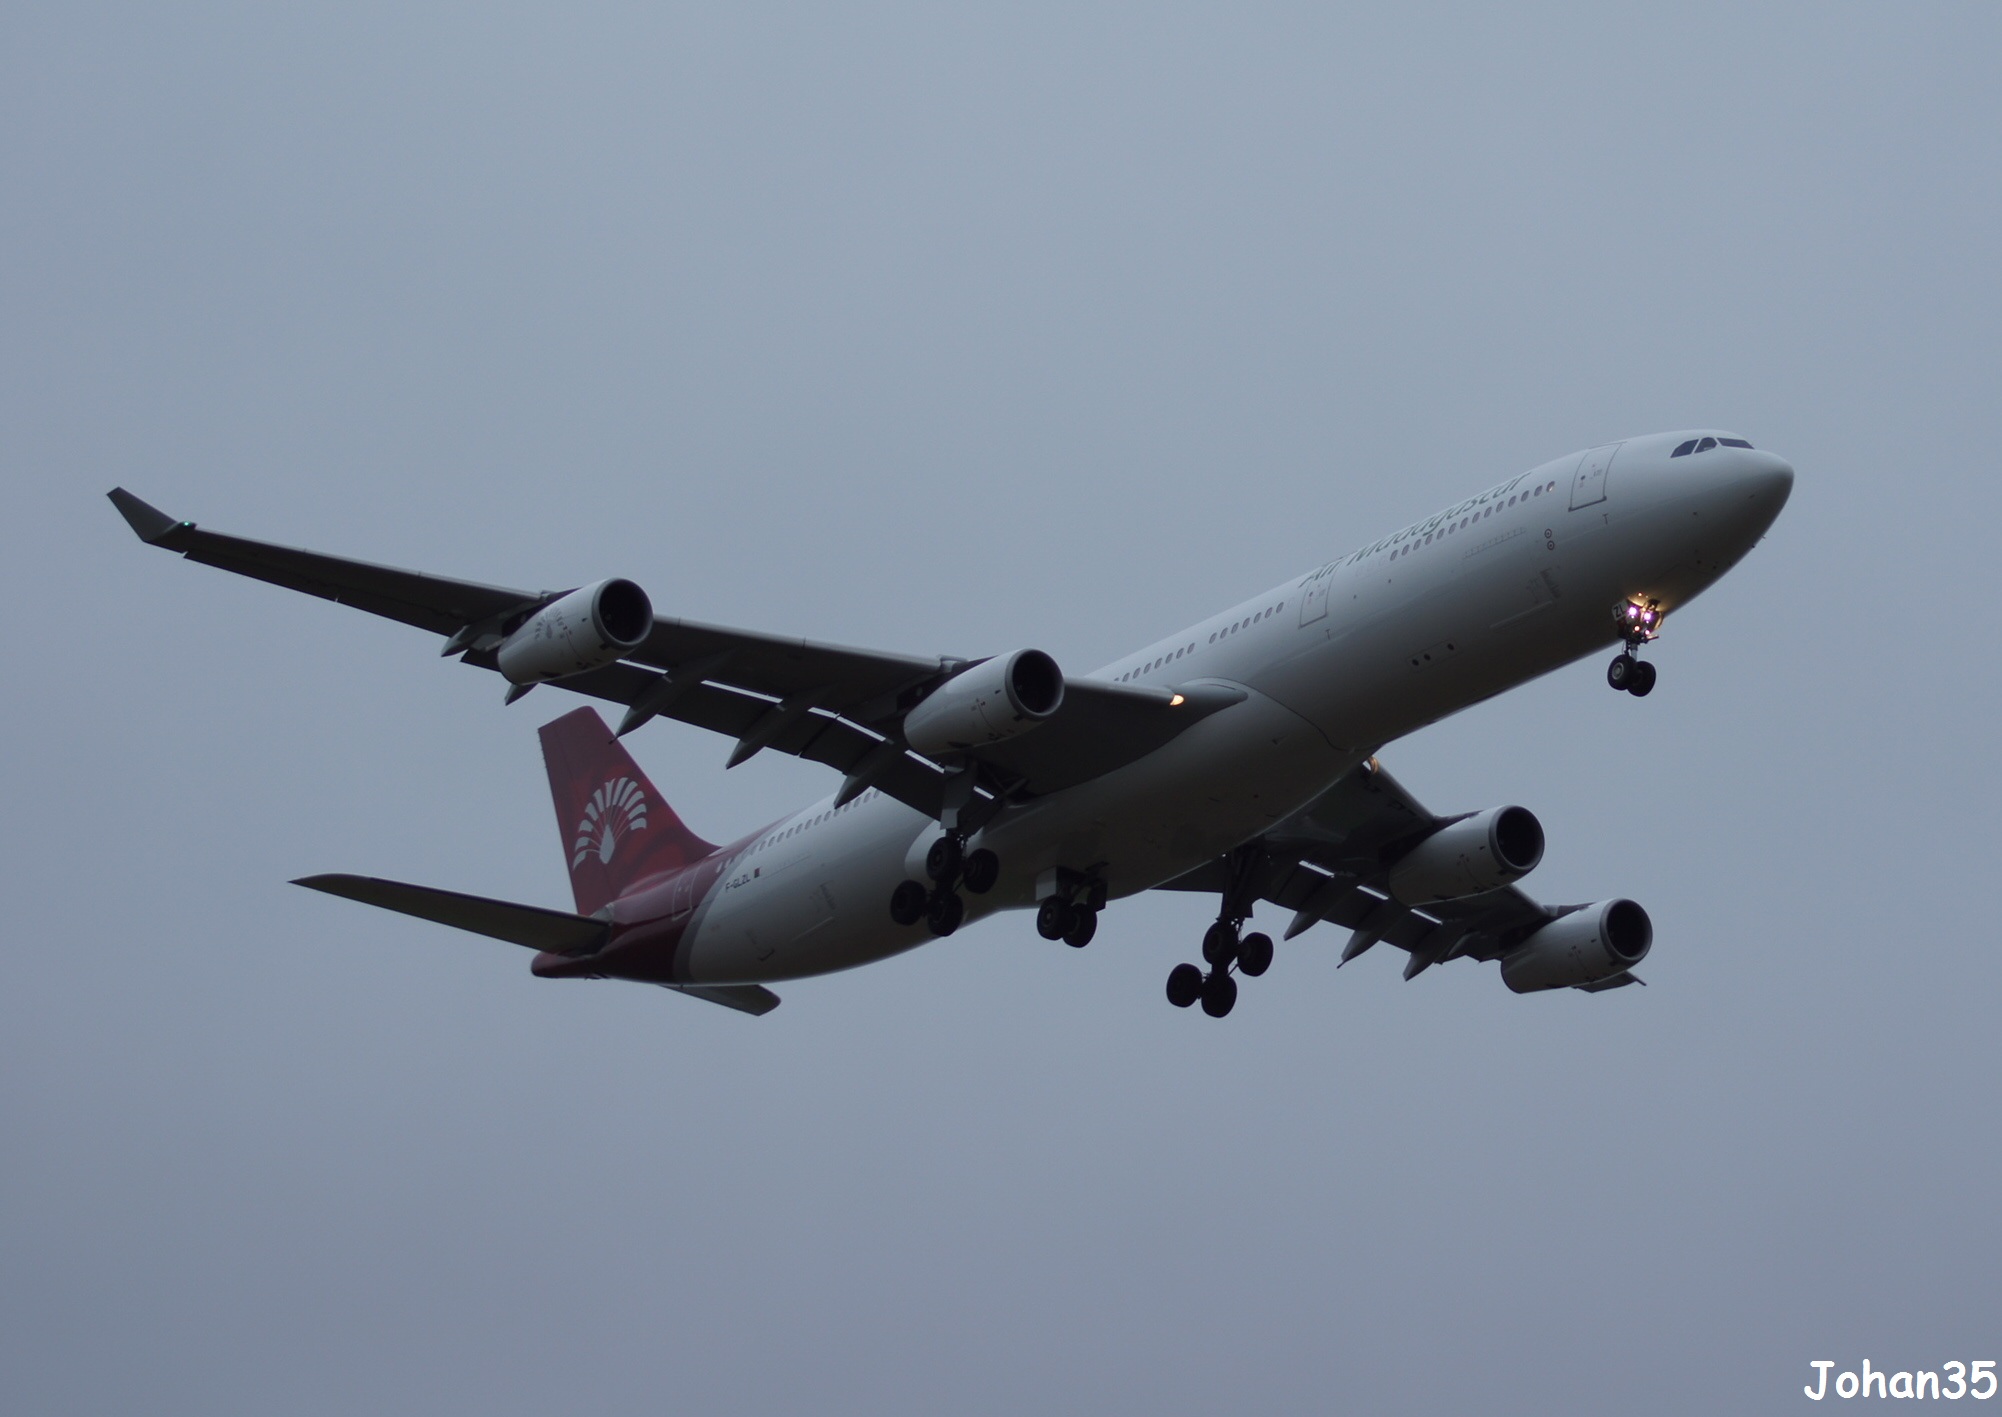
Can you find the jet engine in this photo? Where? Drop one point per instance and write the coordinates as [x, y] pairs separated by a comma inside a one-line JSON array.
[[586, 629], [1483, 852], [996, 699], [1592, 943]]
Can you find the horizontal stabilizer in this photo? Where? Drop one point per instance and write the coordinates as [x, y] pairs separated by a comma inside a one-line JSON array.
[[745, 998], [555, 930]]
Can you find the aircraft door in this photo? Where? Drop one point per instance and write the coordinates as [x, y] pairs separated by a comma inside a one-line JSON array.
[[681, 894], [1314, 602], [1588, 486]]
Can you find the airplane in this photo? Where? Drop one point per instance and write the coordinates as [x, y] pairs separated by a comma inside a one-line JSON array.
[[1237, 757]]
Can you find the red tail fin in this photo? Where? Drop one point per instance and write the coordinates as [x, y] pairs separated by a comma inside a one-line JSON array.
[[617, 828]]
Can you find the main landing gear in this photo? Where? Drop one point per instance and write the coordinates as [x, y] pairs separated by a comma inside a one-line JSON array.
[[1221, 948], [1638, 621], [1070, 912], [950, 865]]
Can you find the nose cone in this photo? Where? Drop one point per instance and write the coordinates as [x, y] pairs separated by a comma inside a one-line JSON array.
[[1764, 481], [1769, 476]]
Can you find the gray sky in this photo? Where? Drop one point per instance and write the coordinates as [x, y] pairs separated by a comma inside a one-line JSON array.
[[905, 326]]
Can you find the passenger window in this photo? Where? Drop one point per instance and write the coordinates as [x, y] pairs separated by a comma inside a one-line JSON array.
[[1733, 443]]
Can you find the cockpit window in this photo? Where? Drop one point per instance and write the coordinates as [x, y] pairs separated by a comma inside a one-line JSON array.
[[1704, 445]]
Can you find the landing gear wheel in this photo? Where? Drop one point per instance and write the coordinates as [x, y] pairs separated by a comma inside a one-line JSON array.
[[1254, 956], [1219, 994], [1642, 682], [1053, 918], [1620, 673], [943, 861], [1185, 985], [981, 871], [945, 913], [1220, 944], [908, 903], [1084, 924]]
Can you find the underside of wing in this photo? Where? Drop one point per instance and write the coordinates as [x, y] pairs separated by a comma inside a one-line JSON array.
[[1344, 859], [833, 704], [434, 603]]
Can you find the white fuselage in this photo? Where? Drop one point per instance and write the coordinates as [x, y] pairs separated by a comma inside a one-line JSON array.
[[1493, 592]]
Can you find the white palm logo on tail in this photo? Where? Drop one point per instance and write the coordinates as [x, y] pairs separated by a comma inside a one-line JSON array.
[[617, 808]]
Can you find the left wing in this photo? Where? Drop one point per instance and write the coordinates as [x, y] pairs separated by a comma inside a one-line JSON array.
[[1331, 861], [832, 704]]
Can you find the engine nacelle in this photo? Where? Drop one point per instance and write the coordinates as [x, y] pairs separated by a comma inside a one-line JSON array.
[[1483, 852], [1583, 947], [1001, 698], [586, 629]]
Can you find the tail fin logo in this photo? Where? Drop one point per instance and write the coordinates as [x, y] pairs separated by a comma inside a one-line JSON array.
[[614, 812]]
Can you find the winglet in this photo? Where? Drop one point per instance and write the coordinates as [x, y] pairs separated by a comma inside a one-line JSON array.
[[154, 526]]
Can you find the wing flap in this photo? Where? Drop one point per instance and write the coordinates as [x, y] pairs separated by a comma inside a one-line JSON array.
[[820, 736], [780, 666]]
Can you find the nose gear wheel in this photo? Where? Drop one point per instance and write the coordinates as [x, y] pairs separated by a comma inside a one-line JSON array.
[[1630, 675]]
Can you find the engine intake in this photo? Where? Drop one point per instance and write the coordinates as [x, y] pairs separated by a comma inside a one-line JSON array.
[[1590, 944], [997, 699], [586, 629], [1480, 853]]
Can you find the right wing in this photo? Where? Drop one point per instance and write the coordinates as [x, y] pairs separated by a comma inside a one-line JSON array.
[[831, 704], [1328, 862]]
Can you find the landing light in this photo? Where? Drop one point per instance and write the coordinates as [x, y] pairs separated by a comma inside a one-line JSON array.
[[1637, 620], [1175, 702]]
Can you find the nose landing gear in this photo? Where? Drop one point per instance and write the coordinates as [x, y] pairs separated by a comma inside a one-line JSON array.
[[1631, 675], [1637, 621]]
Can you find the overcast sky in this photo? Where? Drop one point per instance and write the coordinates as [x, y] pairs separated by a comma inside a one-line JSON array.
[[951, 331]]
